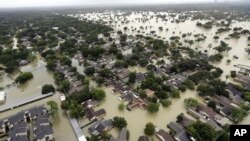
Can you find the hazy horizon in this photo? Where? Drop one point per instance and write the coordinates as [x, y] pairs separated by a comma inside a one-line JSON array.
[[60, 3]]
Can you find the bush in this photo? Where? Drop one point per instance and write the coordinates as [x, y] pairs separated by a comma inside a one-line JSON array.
[[153, 107], [24, 77], [99, 94], [119, 122], [166, 103], [48, 89], [121, 106], [191, 103], [149, 129], [233, 74]]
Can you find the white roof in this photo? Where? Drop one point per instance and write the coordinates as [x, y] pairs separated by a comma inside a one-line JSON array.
[[62, 97], [82, 138], [2, 96]]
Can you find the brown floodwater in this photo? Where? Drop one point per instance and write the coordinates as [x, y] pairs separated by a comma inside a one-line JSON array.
[[138, 118], [61, 125]]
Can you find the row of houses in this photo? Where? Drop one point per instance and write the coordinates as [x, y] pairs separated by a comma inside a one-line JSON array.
[[17, 129], [75, 84]]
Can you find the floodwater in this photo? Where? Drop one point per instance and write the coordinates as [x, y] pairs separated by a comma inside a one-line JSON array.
[[33, 87], [61, 125], [138, 118], [134, 22]]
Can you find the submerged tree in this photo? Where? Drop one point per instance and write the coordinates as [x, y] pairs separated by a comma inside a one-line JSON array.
[[149, 129], [53, 108]]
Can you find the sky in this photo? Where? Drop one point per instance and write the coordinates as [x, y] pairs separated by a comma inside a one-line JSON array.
[[41, 3]]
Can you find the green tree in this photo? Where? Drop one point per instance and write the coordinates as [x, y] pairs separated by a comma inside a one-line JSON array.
[[48, 89], [65, 105], [180, 117], [142, 94], [89, 70], [64, 85], [76, 111], [149, 129], [53, 108], [247, 96], [132, 77], [223, 137], [202, 131], [153, 107], [121, 107], [189, 84], [175, 93], [191, 103], [99, 94], [165, 102], [24, 77], [212, 104], [233, 74], [238, 115], [119, 122]]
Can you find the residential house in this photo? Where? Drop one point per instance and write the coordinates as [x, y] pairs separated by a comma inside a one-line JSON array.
[[122, 135], [19, 132], [90, 103], [164, 136], [128, 96], [180, 133], [137, 103], [185, 122], [140, 77], [143, 138], [42, 130], [100, 126], [92, 115]]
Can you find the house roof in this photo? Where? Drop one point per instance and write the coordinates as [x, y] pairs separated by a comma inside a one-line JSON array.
[[208, 110], [19, 132], [140, 77], [2, 95], [149, 92], [186, 121], [233, 90], [164, 136], [98, 127], [90, 103], [213, 124], [19, 138], [123, 135], [181, 133], [143, 138], [127, 97], [177, 128], [42, 131], [99, 113]]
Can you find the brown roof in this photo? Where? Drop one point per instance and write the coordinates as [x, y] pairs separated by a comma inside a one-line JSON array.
[[164, 136], [209, 111]]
